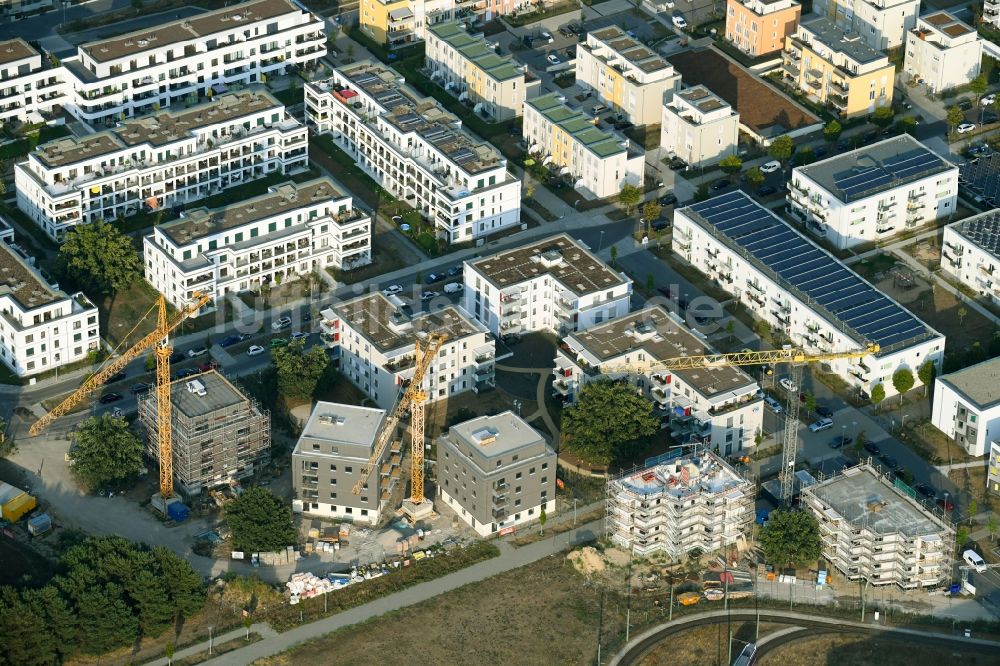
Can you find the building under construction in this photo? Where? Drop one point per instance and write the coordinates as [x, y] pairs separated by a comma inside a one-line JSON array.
[[875, 531], [681, 504], [218, 433]]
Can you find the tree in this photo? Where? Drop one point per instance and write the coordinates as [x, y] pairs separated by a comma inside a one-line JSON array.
[[926, 374], [790, 538], [902, 381], [106, 622], [955, 117], [651, 211], [630, 196], [299, 370], [24, 636], [805, 156], [105, 450], [730, 328], [755, 177], [183, 584], [613, 251], [906, 125], [607, 422], [973, 509], [260, 521], [878, 395], [810, 403], [650, 283], [731, 164], [541, 520], [978, 86], [962, 314], [169, 652], [781, 148], [702, 193], [350, 52], [99, 257], [265, 292], [961, 536], [883, 116], [832, 130], [991, 526]]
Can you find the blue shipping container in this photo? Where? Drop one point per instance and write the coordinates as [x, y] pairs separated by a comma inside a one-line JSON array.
[[177, 511]]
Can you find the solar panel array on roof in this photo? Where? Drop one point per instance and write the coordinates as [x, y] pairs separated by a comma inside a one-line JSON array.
[[982, 176], [809, 272], [859, 181], [983, 230]]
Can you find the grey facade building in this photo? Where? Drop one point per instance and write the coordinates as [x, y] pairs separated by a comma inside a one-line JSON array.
[[334, 446], [218, 433], [496, 472]]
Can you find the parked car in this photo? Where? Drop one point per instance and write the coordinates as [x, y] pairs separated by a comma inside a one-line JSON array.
[[965, 128], [987, 100], [428, 295], [198, 351], [209, 365], [872, 448], [434, 277], [280, 323], [788, 384], [109, 398], [676, 164], [720, 184], [185, 372], [553, 58], [839, 441], [767, 190], [770, 167], [668, 199], [821, 425], [547, 36], [452, 288], [274, 343], [140, 387], [660, 224], [946, 504], [299, 335], [825, 412], [974, 560], [773, 404], [392, 289], [925, 490], [680, 22], [117, 377], [990, 117], [965, 104], [255, 350], [454, 271], [229, 341]]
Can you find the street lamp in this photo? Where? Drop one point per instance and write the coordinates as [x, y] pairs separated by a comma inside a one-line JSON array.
[[210, 639], [600, 245]]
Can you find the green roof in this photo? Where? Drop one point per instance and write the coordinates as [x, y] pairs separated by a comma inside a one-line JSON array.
[[478, 51], [580, 127]]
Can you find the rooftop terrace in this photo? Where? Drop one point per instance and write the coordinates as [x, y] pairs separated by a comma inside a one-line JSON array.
[[578, 126], [635, 52], [22, 282], [829, 35], [13, 50], [478, 51]]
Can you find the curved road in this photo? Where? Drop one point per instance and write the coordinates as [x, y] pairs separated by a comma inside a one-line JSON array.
[[639, 646]]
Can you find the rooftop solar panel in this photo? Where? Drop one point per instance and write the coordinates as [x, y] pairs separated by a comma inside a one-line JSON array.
[[816, 277]]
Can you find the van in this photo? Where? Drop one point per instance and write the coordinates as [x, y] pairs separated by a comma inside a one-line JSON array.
[[973, 559], [599, 108], [773, 404]]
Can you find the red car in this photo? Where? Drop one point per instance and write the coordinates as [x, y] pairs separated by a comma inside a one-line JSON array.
[[210, 365], [946, 504]]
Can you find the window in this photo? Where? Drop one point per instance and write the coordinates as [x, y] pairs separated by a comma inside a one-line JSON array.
[[348, 470]]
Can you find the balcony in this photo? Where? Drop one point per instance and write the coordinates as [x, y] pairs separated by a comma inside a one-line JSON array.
[[839, 101]]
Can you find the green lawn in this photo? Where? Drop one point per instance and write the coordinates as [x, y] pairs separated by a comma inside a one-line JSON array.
[[343, 166]]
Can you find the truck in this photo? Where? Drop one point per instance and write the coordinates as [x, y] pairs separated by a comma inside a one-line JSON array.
[[14, 502]]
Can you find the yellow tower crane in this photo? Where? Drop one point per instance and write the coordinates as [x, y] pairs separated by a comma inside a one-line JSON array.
[[796, 357], [158, 338], [412, 399]]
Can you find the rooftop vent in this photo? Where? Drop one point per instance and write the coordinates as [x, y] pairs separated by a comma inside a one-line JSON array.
[[332, 419], [197, 387], [484, 436]]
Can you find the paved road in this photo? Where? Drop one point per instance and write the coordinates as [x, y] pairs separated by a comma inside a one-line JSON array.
[[44, 25]]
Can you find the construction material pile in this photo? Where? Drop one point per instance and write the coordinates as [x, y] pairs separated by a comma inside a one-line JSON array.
[[305, 586]]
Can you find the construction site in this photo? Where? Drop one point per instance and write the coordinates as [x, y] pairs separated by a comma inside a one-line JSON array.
[[681, 504]]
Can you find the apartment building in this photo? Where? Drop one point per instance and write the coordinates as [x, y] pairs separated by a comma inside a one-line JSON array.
[[41, 327], [555, 284], [598, 162], [881, 24], [966, 406], [991, 13], [837, 68], [335, 445], [470, 68], [873, 193], [172, 63], [496, 472], [970, 253], [803, 292], [717, 406], [32, 89], [416, 150], [942, 51], [16, 9], [759, 27], [400, 22], [628, 76], [156, 162], [993, 469], [686, 502], [874, 532], [699, 127], [217, 433], [293, 230], [377, 339]]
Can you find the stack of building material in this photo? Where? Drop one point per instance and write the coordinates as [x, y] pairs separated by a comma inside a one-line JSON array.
[[305, 585]]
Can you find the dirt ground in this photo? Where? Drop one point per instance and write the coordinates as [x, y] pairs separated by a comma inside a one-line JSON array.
[[839, 650], [544, 613], [705, 646]]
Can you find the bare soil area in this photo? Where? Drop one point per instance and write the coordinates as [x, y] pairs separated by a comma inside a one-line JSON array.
[[839, 650]]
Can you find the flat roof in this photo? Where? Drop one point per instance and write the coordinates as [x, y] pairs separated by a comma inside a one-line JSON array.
[[866, 171], [346, 424], [981, 230], [829, 35], [202, 222], [229, 18], [946, 23], [389, 327], [477, 50], [22, 282], [641, 56], [982, 175], [865, 499], [654, 331], [12, 50], [702, 98], [979, 383], [496, 435], [577, 125], [219, 394], [561, 257], [813, 275], [158, 129], [684, 476]]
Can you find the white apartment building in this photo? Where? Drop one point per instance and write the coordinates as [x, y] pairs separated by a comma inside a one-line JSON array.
[[717, 407], [699, 127], [31, 88], [873, 193], [875, 532], [993, 469], [470, 68], [967, 406], [170, 63], [628, 76], [599, 163], [416, 150], [293, 230], [377, 337], [158, 161], [803, 292], [555, 284], [943, 51], [881, 24], [683, 503], [970, 253], [41, 327], [991, 13]]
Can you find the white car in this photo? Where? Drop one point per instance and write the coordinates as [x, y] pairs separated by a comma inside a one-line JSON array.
[[966, 127], [547, 36], [392, 290], [428, 295], [452, 288], [255, 350], [988, 99], [788, 384], [771, 167], [821, 425], [280, 323], [301, 335], [553, 58], [680, 22], [973, 559]]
